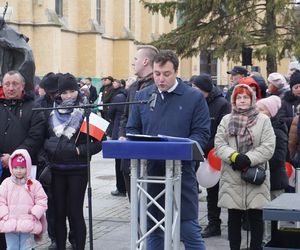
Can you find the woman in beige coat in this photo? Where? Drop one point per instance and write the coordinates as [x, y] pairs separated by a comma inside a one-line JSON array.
[[245, 138]]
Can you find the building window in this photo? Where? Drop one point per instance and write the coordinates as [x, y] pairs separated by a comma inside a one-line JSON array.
[[129, 14], [208, 64], [98, 11], [59, 7]]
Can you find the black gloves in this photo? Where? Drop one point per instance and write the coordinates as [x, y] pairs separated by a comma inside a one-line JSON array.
[[241, 162]]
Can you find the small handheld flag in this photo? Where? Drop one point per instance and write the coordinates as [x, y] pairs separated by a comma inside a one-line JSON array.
[[97, 126]]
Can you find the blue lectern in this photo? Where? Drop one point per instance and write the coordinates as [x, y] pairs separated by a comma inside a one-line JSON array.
[[141, 148]]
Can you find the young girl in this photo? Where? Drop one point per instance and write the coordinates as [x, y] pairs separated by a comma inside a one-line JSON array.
[[23, 203]]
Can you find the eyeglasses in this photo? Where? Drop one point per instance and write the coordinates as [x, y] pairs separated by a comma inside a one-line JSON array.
[[13, 84]]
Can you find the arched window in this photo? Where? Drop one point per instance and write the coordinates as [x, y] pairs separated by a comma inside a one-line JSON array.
[[98, 11], [59, 7], [129, 14]]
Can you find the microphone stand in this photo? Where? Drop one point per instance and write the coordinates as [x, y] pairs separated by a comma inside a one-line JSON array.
[[87, 111]]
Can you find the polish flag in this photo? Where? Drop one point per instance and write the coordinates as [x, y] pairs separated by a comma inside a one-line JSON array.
[[98, 126]]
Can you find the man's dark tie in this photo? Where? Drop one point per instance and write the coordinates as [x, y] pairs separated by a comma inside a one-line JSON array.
[[165, 94]]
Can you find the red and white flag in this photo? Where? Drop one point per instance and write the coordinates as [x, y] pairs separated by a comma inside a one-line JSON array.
[[97, 127]]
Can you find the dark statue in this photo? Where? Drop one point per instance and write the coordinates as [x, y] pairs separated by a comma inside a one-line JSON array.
[[15, 54]]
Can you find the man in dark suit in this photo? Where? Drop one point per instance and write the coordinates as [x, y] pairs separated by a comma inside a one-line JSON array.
[[93, 91], [179, 111], [142, 65]]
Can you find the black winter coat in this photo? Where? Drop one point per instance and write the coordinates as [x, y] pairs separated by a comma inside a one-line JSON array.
[[45, 102], [218, 107], [279, 179], [93, 94], [115, 112], [135, 87], [62, 152], [20, 127], [288, 108]]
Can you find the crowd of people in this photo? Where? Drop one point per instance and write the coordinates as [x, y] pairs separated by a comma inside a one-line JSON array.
[[250, 123]]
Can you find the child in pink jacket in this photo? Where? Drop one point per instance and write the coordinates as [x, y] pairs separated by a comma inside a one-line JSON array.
[[23, 203]]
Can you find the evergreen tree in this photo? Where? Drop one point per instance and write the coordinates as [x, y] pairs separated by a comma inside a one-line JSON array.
[[227, 26]]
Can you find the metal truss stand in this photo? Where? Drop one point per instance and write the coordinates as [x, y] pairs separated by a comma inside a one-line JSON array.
[[141, 200], [173, 151]]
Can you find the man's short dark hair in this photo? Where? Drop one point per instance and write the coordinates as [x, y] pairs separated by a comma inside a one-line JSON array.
[[88, 78], [149, 51], [165, 56], [15, 72]]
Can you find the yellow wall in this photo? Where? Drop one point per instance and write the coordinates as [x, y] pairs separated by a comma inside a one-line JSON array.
[[78, 44]]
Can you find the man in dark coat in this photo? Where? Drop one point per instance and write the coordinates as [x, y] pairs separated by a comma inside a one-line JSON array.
[[143, 69], [49, 83], [236, 74], [20, 127], [93, 91], [218, 107], [178, 111], [107, 92], [114, 114]]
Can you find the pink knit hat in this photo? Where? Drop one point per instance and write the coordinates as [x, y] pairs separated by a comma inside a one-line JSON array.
[[18, 161], [277, 79], [272, 103]]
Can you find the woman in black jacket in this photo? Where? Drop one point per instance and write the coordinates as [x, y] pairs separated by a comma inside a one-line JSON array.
[[278, 178], [290, 100], [67, 152]]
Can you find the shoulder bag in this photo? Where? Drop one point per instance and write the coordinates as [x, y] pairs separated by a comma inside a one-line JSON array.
[[255, 175]]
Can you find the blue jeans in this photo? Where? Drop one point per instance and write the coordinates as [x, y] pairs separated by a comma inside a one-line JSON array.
[[19, 241], [190, 235]]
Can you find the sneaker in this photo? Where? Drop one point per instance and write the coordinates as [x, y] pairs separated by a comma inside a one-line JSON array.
[[211, 230], [118, 193], [52, 246]]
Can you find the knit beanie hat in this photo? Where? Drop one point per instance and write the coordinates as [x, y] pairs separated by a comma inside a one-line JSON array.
[[203, 82], [272, 103], [277, 79], [295, 78], [18, 161], [67, 82], [295, 65], [50, 83]]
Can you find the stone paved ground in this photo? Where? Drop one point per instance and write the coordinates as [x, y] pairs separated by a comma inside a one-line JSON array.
[[111, 215]]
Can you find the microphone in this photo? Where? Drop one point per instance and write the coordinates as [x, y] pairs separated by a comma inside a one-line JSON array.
[[152, 101]]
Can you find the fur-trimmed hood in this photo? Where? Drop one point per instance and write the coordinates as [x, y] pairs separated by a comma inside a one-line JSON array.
[[253, 100], [26, 155]]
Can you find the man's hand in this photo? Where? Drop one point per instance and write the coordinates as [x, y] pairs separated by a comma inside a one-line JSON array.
[[4, 160], [122, 138]]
